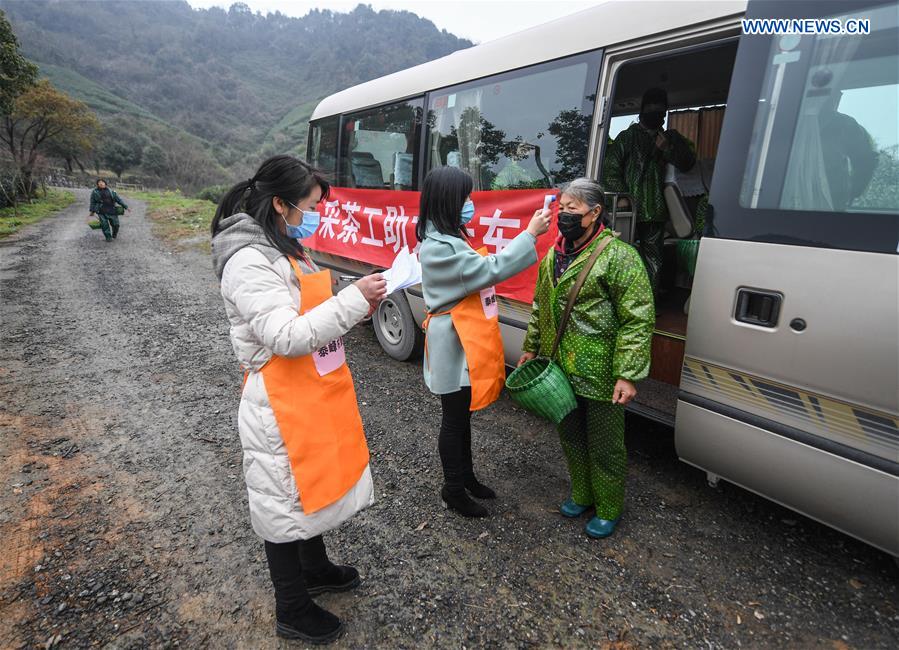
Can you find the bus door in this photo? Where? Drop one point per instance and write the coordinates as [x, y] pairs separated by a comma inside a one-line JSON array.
[[696, 108], [790, 381]]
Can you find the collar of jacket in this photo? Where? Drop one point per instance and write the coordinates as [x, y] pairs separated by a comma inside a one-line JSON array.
[[432, 233], [575, 267]]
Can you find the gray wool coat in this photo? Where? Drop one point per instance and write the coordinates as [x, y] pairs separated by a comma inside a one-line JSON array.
[[451, 270]]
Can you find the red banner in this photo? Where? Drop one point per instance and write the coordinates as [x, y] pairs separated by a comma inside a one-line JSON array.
[[373, 225]]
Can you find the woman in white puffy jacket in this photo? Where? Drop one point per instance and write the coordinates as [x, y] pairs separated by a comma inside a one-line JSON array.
[[305, 456]]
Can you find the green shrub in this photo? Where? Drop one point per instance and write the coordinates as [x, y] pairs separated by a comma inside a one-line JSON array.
[[213, 193]]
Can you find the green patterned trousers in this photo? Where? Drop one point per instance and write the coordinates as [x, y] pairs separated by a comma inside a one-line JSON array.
[[593, 441], [652, 249]]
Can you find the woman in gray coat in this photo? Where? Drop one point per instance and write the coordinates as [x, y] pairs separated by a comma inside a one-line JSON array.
[[463, 350]]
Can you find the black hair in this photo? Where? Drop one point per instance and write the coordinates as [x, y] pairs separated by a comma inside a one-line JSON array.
[[283, 176], [654, 96], [442, 196], [101, 180]]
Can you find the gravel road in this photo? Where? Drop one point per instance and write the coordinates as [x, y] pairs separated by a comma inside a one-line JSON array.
[[124, 522]]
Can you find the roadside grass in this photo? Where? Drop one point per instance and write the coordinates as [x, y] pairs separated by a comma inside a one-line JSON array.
[[13, 219], [178, 220]]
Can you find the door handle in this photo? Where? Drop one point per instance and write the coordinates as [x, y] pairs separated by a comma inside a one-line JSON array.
[[758, 307]]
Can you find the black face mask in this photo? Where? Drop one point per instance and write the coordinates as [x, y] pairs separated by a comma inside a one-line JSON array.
[[570, 225], [653, 120]]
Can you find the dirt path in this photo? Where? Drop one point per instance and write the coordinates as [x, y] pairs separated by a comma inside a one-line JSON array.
[[123, 513]]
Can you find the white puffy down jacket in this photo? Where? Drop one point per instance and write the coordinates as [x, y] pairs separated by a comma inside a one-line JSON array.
[[262, 299]]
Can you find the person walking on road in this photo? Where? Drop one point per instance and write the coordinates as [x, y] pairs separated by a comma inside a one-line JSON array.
[[464, 361], [305, 458], [604, 349], [103, 203]]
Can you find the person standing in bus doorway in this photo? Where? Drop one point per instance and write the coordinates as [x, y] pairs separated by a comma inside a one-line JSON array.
[[635, 163], [848, 156], [604, 350], [464, 361], [305, 457], [103, 204]]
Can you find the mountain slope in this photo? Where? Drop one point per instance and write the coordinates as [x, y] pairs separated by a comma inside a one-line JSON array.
[[238, 80]]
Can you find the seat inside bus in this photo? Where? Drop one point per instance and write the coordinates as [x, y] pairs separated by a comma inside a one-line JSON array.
[[402, 171], [367, 171], [697, 81], [682, 192]]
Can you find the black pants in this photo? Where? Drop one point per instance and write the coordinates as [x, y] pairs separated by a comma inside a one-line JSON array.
[[454, 443], [109, 223], [286, 564]]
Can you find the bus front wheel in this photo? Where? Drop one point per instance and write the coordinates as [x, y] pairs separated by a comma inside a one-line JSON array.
[[396, 329]]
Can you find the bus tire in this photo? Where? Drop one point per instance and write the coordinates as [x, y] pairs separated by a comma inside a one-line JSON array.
[[396, 329]]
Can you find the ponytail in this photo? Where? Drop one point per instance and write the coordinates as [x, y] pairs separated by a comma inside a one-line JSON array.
[[231, 203]]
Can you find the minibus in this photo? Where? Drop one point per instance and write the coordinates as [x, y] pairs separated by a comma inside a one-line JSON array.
[[775, 355]]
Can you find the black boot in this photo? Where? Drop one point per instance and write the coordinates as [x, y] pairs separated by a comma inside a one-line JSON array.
[[472, 484], [454, 425], [320, 575], [478, 489], [460, 502], [333, 579], [312, 625], [297, 616]]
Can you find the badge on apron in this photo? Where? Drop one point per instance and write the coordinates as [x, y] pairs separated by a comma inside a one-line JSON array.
[[329, 357], [488, 302]]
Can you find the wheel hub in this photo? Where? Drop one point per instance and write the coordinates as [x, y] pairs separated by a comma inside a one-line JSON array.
[[390, 322]]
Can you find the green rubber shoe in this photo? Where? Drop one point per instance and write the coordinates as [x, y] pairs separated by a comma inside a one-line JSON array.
[[572, 509], [600, 528]]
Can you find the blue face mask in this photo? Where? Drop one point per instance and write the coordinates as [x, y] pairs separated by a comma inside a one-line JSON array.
[[467, 212], [306, 228]]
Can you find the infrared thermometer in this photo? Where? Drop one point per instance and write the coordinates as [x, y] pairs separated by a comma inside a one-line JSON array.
[[547, 200]]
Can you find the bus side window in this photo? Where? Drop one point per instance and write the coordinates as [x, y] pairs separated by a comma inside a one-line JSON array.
[[379, 147], [832, 145], [520, 130], [323, 146]]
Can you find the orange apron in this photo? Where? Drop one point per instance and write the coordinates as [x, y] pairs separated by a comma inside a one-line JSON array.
[[476, 321], [315, 406]]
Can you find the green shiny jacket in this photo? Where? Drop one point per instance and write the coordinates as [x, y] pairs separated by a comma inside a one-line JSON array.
[[609, 333], [634, 164]]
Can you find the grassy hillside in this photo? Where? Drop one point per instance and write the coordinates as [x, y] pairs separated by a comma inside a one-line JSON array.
[[243, 82], [290, 133], [100, 99], [121, 115]]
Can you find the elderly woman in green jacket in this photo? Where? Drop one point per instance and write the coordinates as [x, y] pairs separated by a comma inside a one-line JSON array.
[[604, 351]]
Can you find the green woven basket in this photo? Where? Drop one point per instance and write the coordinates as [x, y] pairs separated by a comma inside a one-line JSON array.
[[95, 225], [542, 388]]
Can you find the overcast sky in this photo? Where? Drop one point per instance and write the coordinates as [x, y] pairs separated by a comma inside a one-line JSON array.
[[476, 20]]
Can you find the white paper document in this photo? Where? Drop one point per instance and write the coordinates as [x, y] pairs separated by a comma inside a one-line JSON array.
[[404, 272]]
